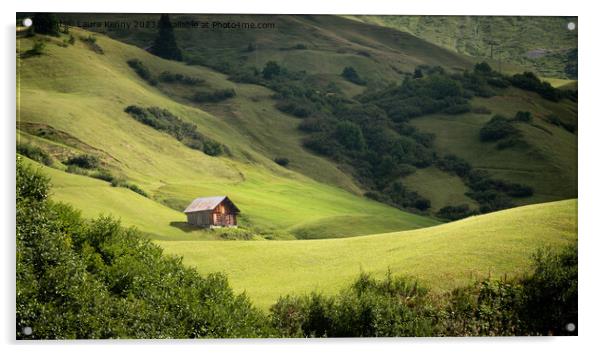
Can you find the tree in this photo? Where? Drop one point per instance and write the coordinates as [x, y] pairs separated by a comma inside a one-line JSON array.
[[351, 75], [417, 73], [45, 23], [350, 135], [270, 70], [165, 44], [483, 68]]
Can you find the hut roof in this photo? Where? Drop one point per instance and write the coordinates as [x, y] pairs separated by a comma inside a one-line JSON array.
[[208, 203]]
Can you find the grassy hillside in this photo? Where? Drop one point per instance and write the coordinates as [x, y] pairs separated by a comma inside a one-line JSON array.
[[321, 45], [542, 44], [548, 162], [443, 257], [81, 109]]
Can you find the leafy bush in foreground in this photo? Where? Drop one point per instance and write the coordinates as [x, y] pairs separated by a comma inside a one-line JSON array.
[[95, 279]]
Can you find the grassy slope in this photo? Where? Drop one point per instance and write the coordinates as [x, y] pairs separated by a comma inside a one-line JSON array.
[[331, 42], [541, 43], [549, 164], [443, 257], [86, 98]]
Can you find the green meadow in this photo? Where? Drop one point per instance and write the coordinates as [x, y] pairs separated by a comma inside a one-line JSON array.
[[442, 257], [312, 226]]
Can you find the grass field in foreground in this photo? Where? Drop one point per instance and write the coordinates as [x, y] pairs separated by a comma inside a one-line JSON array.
[[442, 257]]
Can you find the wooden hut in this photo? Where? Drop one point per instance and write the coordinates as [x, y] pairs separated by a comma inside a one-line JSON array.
[[215, 211]]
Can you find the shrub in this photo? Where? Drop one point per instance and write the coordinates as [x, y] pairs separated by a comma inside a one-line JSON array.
[[524, 117], [86, 161], [452, 163], [530, 82], [281, 161], [141, 69], [271, 70], [34, 152], [215, 96], [103, 175], [483, 68], [91, 42], [550, 293], [170, 77], [395, 306], [497, 128], [37, 49], [164, 120], [349, 135], [417, 73], [454, 213], [351, 75], [296, 108], [212, 148]]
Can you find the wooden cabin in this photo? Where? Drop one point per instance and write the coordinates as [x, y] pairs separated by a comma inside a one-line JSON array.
[[215, 211]]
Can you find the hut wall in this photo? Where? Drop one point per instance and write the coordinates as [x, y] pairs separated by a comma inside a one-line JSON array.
[[201, 218]]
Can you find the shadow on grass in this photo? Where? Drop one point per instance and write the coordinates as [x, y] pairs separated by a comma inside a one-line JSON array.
[[184, 226]]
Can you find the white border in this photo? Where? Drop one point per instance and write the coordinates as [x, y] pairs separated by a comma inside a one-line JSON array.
[[590, 134]]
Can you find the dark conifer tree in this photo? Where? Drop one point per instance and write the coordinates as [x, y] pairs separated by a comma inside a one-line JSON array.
[[165, 44], [45, 23]]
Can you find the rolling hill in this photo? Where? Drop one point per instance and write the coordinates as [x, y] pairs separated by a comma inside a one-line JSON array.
[[542, 44], [442, 257], [80, 109], [383, 50], [72, 101]]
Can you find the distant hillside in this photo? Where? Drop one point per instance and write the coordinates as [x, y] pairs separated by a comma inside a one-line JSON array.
[[442, 257], [542, 44]]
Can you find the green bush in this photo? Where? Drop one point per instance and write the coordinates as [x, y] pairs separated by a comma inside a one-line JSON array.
[[86, 161], [282, 161], [170, 77], [392, 307], [530, 82], [215, 96], [297, 108], [95, 279], [271, 70], [349, 135], [103, 175], [454, 213], [142, 71], [91, 42], [34, 152], [497, 128], [351, 75], [525, 117], [164, 120], [37, 49]]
